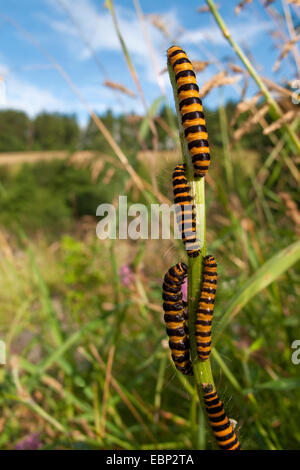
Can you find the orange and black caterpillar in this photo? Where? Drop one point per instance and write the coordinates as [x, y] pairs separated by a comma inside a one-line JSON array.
[[191, 109], [206, 308], [175, 318], [185, 211], [219, 422]]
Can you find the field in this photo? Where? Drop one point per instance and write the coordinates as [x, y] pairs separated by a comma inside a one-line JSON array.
[[16, 158], [88, 364]]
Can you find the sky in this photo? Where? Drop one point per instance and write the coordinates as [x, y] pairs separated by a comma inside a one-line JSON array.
[[56, 54]]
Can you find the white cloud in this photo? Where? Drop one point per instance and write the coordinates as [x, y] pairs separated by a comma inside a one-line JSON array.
[[17, 93], [21, 95], [213, 35], [97, 28]]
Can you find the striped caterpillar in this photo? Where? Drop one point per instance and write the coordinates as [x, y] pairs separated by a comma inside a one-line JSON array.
[[191, 109], [220, 424], [185, 211], [206, 308], [175, 318]]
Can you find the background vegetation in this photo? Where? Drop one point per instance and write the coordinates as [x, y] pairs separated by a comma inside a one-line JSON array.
[[88, 361]]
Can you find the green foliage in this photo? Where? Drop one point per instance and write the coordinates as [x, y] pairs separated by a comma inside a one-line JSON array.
[[45, 132], [63, 301], [49, 195], [65, 379], [15, 131], [61, 132], [120, 129], [59, 299], [55, 131]]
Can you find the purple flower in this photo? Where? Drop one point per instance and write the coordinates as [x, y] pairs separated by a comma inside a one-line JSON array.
[[127, 275], [31, 442], [184, 289]]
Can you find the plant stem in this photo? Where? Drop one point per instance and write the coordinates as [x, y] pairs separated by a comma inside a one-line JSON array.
[[225, 139], [275, 110], [110, 5], [202, 370]]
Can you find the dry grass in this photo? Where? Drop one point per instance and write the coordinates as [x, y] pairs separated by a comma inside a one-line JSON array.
[[17, 158]]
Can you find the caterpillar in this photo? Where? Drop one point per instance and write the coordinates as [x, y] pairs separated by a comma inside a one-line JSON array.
[[221, 426], [185, 211], [175, 318], [191, 109], [206, 308]]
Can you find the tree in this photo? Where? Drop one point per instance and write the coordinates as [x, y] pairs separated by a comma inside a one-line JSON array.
[[55, 132], [15, 131]]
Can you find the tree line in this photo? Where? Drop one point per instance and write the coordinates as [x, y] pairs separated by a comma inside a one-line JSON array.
[[54, 131]]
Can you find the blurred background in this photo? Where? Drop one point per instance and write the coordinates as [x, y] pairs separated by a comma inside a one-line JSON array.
[[87, 114]]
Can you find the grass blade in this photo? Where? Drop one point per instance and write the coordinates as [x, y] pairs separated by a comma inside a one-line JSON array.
[[263, 277], [280, 385]]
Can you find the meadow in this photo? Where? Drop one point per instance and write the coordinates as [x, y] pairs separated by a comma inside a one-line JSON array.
[[88, 362]]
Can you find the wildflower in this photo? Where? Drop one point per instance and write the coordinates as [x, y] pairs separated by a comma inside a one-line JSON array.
[[31, 442], [127, 275]]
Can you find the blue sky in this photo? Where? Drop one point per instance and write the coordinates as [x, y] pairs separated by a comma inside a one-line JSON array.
[[33, 85]]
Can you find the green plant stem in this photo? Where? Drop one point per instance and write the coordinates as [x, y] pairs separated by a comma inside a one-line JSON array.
[[275, 110], [202, 370], [110, 5], [225, 139], [159, 387]]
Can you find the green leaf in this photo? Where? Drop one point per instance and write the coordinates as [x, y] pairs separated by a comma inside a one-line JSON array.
[[73, 339], [257, 344], [263, 277], [280, 385], [145, 126]]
